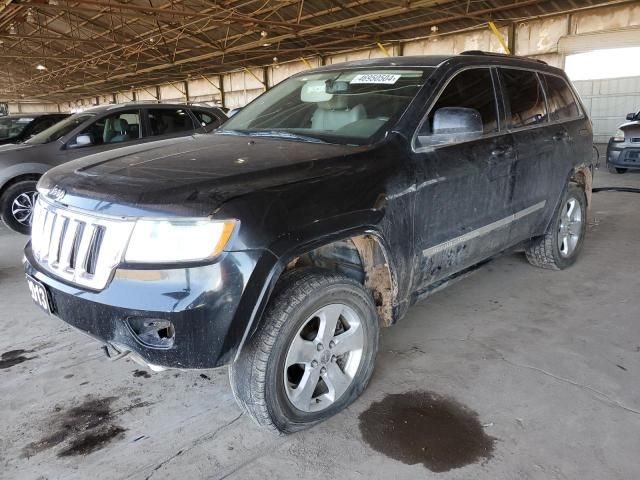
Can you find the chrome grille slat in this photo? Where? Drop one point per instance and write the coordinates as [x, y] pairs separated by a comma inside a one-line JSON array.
[[78, 247], [67, 244]]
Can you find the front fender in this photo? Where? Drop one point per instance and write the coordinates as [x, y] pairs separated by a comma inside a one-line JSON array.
[[19, 169], [249, 315]]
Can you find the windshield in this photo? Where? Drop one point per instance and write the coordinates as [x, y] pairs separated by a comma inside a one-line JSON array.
[[353, 106], [11, 127], [60, 129]]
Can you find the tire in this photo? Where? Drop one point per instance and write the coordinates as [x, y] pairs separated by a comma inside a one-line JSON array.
[[559, 247], [265, 373], [619, 170], [16, 206]]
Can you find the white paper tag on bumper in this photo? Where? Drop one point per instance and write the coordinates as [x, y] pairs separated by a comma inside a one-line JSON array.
[[384, 78]]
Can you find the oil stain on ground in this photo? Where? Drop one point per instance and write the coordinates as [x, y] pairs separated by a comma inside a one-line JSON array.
[[423, 427], [14, 357], [82, 429]]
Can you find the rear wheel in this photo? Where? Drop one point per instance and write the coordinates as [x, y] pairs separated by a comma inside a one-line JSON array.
[[313, 355], [613, 169], [559, 247], [17, 204]]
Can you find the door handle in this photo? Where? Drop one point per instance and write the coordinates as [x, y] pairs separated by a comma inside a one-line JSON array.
[[562, 135], [502, 152]]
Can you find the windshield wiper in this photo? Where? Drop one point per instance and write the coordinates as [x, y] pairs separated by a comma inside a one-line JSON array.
[[284, 134]]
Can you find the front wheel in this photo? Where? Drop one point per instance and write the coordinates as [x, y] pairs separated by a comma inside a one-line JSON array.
[[559, 247], [313, 355], [16, 206]]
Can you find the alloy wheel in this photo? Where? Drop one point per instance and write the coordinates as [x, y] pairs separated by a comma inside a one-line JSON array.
[[323, 358], [570, 227], [22, 207]]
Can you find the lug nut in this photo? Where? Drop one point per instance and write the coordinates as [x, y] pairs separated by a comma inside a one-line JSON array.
[[323, 370], [320, 347], [314, 363], [332, 344], [333, 359]]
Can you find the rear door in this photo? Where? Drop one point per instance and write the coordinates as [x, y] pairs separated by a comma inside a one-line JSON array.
[[538, 144], [462, 202]]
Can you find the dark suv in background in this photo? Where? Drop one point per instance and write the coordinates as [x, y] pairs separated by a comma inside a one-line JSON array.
[[97, 129], [623, 150], [316, 215], [18, 128]]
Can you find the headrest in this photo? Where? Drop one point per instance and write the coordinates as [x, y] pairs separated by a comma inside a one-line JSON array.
[[120, 124], [338, 102], [315, 91]]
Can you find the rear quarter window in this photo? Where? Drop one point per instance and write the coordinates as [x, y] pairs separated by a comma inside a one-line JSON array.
[[563, 104]]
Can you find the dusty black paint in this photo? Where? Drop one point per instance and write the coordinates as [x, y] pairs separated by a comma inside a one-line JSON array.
[[142, 373], [423, 427], [82, 429], [14, 357], [293, 196]]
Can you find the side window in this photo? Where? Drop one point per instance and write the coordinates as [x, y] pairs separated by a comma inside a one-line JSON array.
[[524, 98], [115, 128], [164, 121], [562, 102], [207, 120], [466, 109]]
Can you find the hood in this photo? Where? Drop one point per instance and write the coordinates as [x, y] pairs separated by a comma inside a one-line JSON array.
[[14, 147], [190, 175], [632, 125]]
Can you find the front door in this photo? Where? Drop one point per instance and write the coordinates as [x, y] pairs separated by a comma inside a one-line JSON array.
[[463, 205]]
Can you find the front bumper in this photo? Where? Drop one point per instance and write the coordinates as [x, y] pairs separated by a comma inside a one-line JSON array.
[[201, 303], [623, 155]]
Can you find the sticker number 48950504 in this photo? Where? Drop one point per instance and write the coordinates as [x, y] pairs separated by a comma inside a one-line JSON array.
[[39, 294]]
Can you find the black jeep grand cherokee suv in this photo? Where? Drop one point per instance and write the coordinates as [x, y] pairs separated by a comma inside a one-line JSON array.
[[281, 243]]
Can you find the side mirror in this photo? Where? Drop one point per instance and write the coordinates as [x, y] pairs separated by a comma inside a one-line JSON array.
[[83, 140], [631, 116], [457, 121]]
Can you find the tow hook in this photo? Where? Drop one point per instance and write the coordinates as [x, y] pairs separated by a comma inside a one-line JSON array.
[[113, 353]]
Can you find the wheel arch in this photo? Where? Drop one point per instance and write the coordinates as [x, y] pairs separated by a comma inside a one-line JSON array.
[[379, 275], [582, 175]]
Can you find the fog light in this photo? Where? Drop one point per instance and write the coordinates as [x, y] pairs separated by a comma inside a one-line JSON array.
[[152, 332]]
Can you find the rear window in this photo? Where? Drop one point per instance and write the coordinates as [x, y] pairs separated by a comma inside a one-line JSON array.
[[524, 98], [563, 104]]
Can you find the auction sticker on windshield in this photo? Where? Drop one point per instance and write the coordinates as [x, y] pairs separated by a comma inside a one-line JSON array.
[[384, 78]]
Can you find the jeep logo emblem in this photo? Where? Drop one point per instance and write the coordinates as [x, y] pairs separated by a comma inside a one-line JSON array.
[[56, 193]]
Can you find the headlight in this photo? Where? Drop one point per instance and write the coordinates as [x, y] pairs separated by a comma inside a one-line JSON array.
[[164, 241], [618, 136]]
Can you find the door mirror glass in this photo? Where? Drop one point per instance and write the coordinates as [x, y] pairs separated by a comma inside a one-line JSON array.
[[83, 140], [631, 116]]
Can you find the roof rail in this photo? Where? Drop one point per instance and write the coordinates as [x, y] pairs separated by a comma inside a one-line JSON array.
[[492, 54]]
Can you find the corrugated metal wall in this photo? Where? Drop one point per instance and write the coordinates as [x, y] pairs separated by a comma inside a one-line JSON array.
[[608, 101]]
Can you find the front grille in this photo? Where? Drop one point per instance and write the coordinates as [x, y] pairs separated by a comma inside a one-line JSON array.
[[635, 139], [77, 247]]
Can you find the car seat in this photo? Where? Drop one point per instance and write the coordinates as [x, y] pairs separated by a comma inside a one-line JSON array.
[[120, 127], [335, 114]]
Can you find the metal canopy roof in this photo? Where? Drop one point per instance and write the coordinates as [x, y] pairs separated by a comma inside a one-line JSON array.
[[92, 47]]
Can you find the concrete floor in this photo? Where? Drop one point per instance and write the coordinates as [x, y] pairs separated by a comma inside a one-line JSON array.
[[550, 361]]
